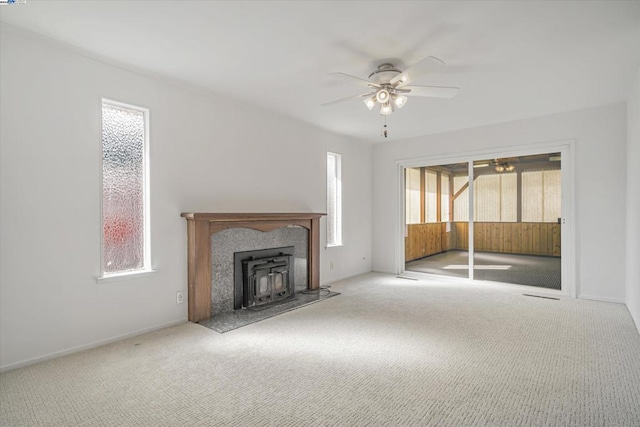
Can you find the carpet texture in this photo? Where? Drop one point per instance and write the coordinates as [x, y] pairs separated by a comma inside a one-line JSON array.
[[387, 352], [530, 270]]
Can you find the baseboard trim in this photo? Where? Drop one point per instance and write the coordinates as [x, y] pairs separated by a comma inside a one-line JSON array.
[[603, 299], [348, 276], [56, 354]]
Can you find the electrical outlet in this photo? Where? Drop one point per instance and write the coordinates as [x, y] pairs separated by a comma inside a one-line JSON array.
[[179, 297], [330, 265]]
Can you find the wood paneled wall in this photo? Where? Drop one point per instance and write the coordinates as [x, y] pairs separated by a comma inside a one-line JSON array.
[[529, 238], [423, 240]]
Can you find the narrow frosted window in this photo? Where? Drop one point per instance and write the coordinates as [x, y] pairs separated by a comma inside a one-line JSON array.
[[412, 198], [334, 199], [124, 180]]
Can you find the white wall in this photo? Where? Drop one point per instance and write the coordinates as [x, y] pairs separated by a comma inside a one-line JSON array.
[[633, 201], [207, 154], [600, 185]]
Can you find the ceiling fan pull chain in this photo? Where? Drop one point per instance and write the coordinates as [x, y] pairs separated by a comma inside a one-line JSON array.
[[384, 128]]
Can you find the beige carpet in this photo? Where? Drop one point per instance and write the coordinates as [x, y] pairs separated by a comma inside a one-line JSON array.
[[387, 351]]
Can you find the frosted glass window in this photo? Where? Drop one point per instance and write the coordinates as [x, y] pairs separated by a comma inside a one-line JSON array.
[[552, 195], [486, 192], [461, 203], [496, 198], [124, 179], [541, 196], [444, 197], [431, 196], [412, 197], [334, 199], [532, 196], [509, 197]]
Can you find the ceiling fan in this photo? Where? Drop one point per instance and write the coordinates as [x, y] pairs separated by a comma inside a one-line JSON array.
[[389, 87]]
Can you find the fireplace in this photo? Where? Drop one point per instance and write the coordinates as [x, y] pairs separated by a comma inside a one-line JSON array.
[[263, 276], [201, 227]]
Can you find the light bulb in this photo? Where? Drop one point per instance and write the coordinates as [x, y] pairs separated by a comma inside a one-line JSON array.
[[510, 168], [370, 102], [400, 100], [386, 109], [382, 96], [499, 168]]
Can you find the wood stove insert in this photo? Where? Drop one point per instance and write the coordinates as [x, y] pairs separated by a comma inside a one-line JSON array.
[[200, 227]]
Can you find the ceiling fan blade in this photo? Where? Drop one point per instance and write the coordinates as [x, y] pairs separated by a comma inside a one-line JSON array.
[[362, 82], [432, 91], [426, 65], [348, 98]]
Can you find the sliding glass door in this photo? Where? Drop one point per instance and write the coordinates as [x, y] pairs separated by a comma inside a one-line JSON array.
[[436, 224], [514, 204], [517, 207]]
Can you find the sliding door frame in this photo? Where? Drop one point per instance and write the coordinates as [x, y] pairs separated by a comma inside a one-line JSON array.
[[566, 148]]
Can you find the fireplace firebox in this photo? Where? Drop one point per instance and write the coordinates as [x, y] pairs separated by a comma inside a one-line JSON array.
[[263, 276]]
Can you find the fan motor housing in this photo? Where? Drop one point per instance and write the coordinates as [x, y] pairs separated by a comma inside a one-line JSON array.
[[384, 73]]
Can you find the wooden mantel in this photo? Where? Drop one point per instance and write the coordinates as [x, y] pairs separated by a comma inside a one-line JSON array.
[[200, 227]]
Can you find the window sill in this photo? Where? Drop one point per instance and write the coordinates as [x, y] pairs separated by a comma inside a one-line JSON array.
[[334, 246], [119, 277]]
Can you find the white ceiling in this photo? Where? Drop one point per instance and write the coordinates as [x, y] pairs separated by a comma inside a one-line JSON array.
[[512, 59]]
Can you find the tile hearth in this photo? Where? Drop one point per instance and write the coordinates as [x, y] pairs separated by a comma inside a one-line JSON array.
[[229, 321]]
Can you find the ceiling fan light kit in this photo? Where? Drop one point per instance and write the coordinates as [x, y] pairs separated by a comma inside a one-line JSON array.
[[391, 86], [503, 166], [370, 102], [386, 109], [382, 96], [387, 100], [400, 100]]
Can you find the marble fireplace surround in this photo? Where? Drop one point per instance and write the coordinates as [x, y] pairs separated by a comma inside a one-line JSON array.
[[200, 227]]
